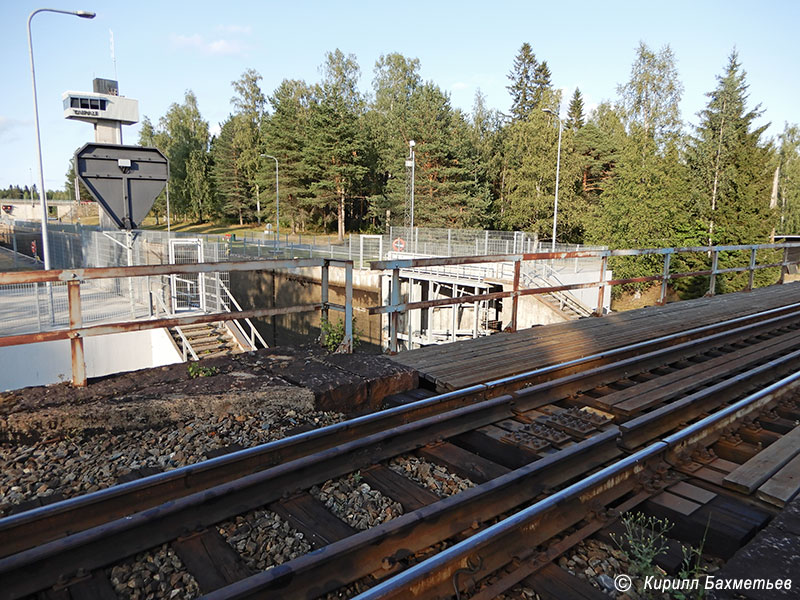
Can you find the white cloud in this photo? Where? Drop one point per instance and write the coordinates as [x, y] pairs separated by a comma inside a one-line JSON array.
[[9, 127], [225, 47], [241, 29], [215, 129], [219, 47], [186, 41]]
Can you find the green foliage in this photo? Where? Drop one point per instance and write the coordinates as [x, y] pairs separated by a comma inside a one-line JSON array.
[[333, 334], [336, 150], [788, 200], [181, 133], [644, 539], [197, 370], [644, 204], [575, 118], [650, 100], [286, 137], [230, 180], [629, 177], [530, 87], [692, 568], [731, 168]]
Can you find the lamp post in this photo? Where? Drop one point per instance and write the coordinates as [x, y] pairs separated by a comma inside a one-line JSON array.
[[277, 200], [558, 168], [411, 163], [43, 190]]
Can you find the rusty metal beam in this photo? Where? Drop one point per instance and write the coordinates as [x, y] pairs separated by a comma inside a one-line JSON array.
[[76, 343], [410, 263], [95, 330], [151, 270]]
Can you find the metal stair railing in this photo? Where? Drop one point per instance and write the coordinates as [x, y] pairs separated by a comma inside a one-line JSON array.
[[185, 345], [253, 331], [550, 279]]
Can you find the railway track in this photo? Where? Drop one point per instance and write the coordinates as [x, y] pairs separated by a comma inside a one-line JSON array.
[[605, 423]]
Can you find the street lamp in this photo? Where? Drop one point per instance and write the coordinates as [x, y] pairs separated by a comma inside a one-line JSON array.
[[43, 190], [277, 200], [411, 163], [558, 168]]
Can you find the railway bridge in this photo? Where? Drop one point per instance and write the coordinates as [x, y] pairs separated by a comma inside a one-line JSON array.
[[481, 477]]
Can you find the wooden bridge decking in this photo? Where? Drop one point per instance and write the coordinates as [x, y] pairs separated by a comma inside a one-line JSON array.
[[461, 364]]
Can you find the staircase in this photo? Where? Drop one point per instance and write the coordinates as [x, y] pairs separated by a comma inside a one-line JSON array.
[[205, 340], [563, 303], [563, 309]]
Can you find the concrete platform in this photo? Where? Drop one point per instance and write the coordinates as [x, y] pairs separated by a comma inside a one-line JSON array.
[[305, 376]]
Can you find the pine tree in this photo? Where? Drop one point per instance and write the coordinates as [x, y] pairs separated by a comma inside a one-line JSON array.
[[231, 185], [180, 132], [389, 122], [522, 88], [575, 119], [732, 169], [485, 159], [286, 138], [337, 147], [789, 180], [198, 184], [250, 105], [542, 86], [531, 151], [644, 204]]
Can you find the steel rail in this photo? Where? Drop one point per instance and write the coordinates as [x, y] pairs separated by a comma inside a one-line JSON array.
[[518, 293], [30, 570], [383, 547], [75, 277], [50, 522], [422, 577]]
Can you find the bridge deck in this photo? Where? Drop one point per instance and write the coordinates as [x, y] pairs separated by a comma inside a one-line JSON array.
[[461, 364]]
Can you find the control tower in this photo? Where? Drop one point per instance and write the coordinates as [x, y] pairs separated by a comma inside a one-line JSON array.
[[104, 108]]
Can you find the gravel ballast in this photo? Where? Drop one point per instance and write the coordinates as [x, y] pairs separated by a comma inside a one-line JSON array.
[[355, 503], [434, 477], [71, 465], [263, 539], [155, 574]]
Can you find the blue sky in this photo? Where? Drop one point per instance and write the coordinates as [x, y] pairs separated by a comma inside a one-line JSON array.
[[164, 48]]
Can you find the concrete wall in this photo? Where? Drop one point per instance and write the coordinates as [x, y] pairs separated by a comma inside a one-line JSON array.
[[24, 210], [269, 289], [51, 362]]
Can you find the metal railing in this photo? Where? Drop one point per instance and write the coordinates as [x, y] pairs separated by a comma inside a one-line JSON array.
[[254, 335], [395, 307], [565, 299], [76, 331]]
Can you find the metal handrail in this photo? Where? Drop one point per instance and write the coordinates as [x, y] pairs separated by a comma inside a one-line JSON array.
[[253, 331], [77, 331], [185, 345], [395, 307], [563, 297]]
